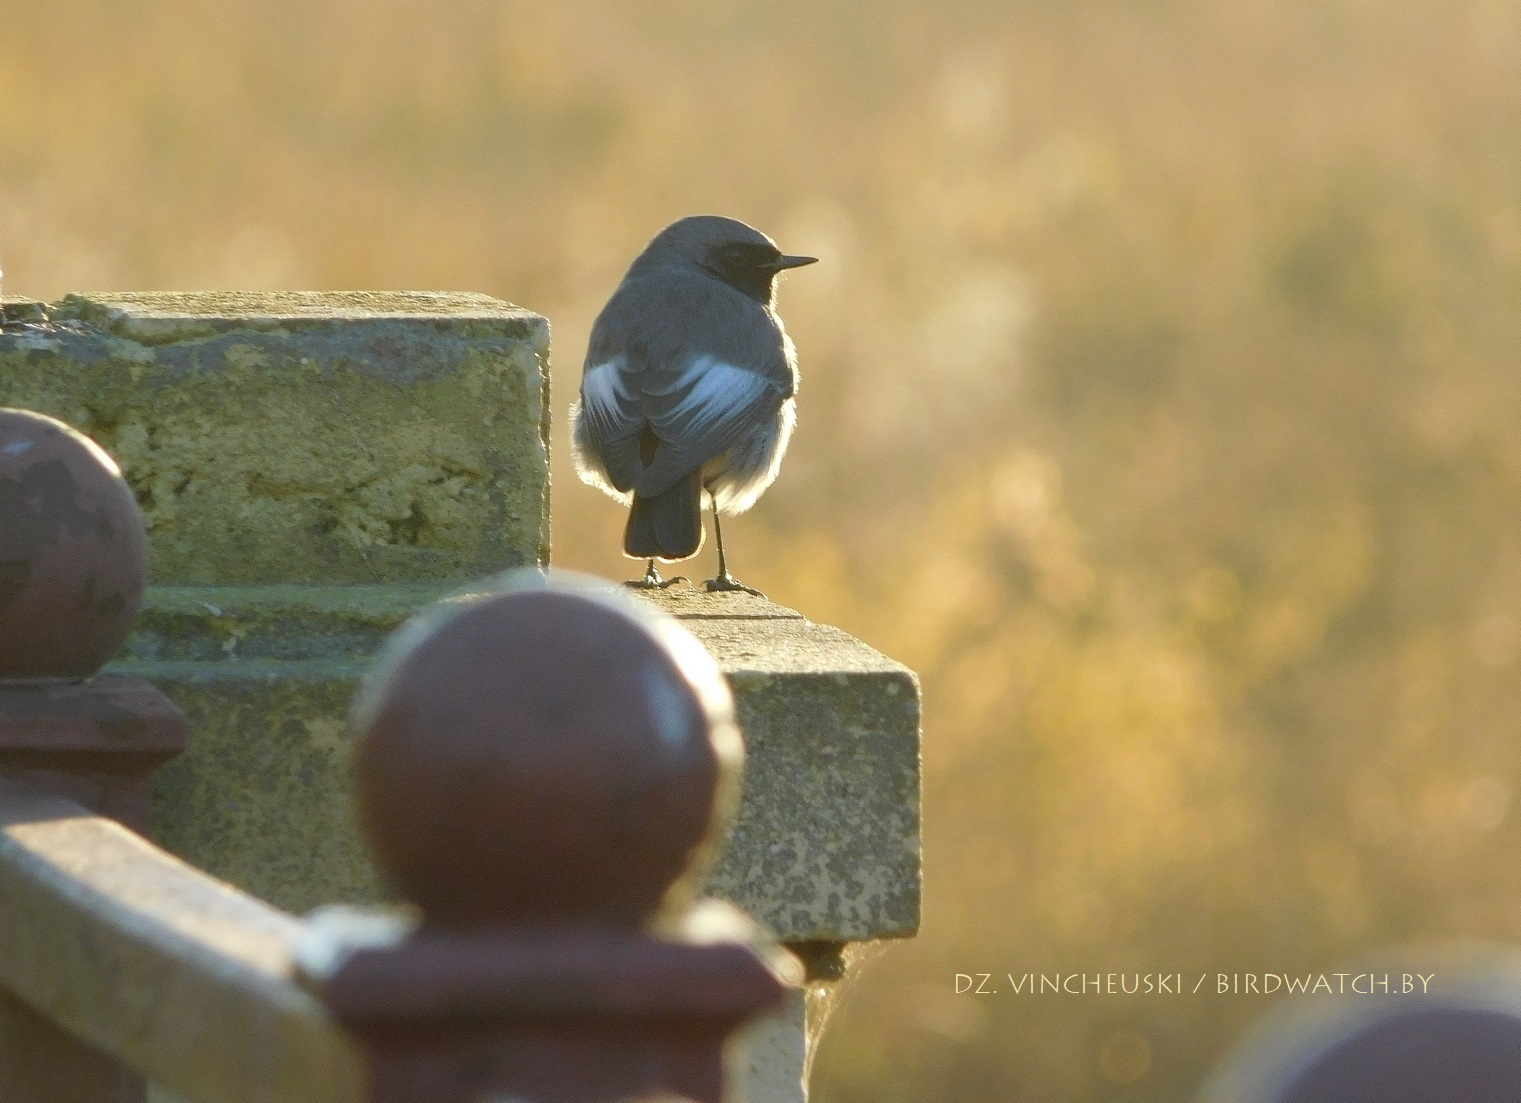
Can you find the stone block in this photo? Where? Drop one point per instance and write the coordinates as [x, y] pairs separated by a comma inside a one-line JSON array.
[[306, 437], [264, 675], [825, 847]]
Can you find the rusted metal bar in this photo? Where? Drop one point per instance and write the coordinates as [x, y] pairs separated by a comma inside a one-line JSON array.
[[149, 960], [73, 567], [546, 771]]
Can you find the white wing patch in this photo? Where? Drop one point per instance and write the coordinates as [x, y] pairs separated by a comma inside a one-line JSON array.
[[715, 390], [604, 397]]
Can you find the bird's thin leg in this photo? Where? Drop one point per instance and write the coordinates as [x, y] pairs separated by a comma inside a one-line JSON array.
[[724, 581], [653, 581]]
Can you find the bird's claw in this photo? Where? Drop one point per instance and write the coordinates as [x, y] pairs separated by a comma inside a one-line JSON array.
[[727, 583], [653, 581]]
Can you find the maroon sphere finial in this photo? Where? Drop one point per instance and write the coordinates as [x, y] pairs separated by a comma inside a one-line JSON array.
[[73, 550], [547, 752], [1428, 1024]]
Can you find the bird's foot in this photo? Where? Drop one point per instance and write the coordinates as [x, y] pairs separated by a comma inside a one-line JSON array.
[[727, 583], [653, 581]]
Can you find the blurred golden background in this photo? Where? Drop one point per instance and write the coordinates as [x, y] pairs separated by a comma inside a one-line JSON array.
[[1160, 407]]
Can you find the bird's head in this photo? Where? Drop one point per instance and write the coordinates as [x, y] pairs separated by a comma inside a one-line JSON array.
[[725, 248]]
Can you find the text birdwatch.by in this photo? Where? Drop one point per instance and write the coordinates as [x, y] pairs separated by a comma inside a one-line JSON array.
[[688, 387]]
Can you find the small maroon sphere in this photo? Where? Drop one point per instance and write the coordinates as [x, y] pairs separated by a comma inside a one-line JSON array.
[[545, 755], [73, 550]]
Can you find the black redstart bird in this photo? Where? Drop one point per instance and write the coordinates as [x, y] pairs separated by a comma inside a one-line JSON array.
[[688, 386]]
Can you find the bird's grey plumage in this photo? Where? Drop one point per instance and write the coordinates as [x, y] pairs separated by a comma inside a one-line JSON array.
[[689, 383]]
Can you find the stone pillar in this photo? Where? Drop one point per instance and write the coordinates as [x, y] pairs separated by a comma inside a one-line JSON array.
[[826, 848], [313, 468]]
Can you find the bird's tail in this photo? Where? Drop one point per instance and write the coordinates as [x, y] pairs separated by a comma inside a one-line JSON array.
[[667, 526]]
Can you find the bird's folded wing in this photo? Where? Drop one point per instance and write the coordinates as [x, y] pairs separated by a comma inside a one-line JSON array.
[[611, 420], [699, 410]]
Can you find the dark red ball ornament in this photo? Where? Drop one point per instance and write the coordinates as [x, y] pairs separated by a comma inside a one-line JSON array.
[[73, 550]]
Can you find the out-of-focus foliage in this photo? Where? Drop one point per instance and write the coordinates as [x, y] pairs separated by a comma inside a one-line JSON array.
[[1160, 407]]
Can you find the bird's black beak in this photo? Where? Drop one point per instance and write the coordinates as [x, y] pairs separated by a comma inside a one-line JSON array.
[[785, 261]]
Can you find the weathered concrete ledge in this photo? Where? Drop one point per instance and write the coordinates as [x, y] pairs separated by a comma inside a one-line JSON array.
[[154, 962], [825, 848], [264, 675], [278, 437]]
